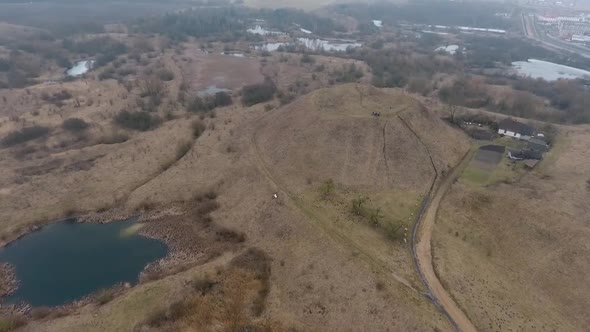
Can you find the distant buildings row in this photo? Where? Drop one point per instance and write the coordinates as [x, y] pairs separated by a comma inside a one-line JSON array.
[[571, 27]]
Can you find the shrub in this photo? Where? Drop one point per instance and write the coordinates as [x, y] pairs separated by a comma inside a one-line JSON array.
[[57, 98], [208, 103], [141, 121], [203, 285], [228, 235], [158, 317], [327, 188], [198, 128], [347, 74], [357, 205], [165, 75], [258, 93], [40, 312], [105, 296], [306, 58], [222, 98], [114, 138], [75, 125], [24, 135], [10, 323], [206, 207]]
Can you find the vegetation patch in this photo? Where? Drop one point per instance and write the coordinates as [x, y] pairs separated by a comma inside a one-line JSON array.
[[75, 125], [11, 322], [208, 103], [258, 93], [24, 135], [141, 121], [230, 300]]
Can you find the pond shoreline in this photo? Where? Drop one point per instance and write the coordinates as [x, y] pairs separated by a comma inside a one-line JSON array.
[[9, 281]]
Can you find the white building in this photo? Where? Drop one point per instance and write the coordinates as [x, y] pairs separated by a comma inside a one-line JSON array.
[[515, 129]]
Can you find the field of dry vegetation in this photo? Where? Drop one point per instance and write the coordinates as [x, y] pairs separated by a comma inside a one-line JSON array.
[[349, 144], [105, 148], [512, 253]]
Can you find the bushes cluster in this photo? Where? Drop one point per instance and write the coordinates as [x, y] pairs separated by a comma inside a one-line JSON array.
[[465, 92], [165, 75], [141, 121], [306, 58], [105, 296], [57, 98], [75, 125], [347, 74], [105, 49], [258, 93], [198, 127], [24, 135], [208, 103]]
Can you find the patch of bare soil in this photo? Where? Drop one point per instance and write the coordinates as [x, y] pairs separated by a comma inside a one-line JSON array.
[[202, 70]]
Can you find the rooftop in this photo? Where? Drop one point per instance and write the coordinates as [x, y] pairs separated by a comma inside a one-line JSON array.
[[517, 127]]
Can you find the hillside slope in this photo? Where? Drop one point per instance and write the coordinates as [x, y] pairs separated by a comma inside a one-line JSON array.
[[332, 133], [514, 255]]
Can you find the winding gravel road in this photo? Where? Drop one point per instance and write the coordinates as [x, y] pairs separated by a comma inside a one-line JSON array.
[[423, 253]]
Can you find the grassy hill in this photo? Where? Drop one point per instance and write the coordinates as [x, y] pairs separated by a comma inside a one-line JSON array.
[[332, 134]]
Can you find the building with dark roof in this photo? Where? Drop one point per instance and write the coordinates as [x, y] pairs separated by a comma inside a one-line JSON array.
[[512, 128], [537, 144], [525, 154]]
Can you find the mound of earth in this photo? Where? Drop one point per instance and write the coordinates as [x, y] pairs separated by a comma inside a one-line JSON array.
[[359, 136]]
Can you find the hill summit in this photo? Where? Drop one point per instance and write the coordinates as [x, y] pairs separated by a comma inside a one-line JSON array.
[[359, 136]]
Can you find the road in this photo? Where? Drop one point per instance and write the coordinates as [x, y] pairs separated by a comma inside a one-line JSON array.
[[423, 253]]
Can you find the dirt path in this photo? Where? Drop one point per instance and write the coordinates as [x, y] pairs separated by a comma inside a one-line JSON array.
[[423, 254]]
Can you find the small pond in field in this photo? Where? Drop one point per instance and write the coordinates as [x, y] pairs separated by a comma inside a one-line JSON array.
[[66, 261], [211, 90], [80, 68]]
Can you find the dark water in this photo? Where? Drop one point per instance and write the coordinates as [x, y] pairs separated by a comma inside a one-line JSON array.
[[65, 261]]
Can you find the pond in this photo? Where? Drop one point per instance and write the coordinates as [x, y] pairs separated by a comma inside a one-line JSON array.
[[234, 54], [258, 30], [450, 49], [271, 47], [66, 261], [80, 68], [548, 70], [211, 90], [328, 45]]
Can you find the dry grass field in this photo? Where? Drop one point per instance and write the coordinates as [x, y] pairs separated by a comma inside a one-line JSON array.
[[513, 253], [330, 270]]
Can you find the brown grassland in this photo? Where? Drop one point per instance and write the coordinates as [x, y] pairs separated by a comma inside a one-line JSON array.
[[512, 252], [330, 269], [332, 251]]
